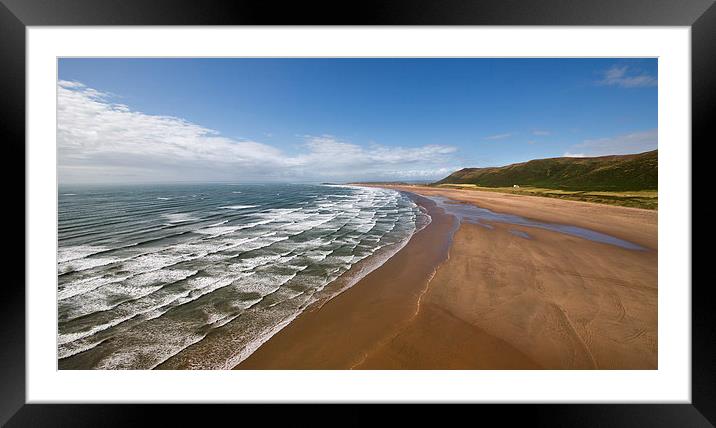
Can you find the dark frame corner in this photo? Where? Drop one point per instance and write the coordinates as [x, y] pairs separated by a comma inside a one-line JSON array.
[[16, 15]]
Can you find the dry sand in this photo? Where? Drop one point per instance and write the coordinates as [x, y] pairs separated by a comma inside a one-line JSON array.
[[489, 299]]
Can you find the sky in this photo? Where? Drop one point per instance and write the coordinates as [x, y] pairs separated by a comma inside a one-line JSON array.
[[124, 120]]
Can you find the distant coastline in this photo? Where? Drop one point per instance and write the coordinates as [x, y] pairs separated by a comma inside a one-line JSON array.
[[624, 180]]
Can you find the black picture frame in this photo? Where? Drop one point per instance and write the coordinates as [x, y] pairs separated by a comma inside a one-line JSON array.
[[16, 15]]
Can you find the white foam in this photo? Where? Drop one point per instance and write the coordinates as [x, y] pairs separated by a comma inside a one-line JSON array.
[[78, 265], [277, 212], [254, 224], [178, 217], [261, 242], [153, 261], [304, 225], [344, 259], [65, 254], [143, 262], [219, 251], [238, 207], [318, 255], [86, 285], [133, 288], [75, 347], [72, 337], [164, 256], [153, 310], [254, 262], [218, 231], [264, 284], [146, 283]]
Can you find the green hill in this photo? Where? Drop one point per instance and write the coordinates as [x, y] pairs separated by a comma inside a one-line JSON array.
[[604, 173]]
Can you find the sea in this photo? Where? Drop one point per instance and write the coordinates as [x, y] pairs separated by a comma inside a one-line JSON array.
[[199, 276]]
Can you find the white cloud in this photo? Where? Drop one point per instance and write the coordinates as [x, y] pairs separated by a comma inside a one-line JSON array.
[[574, 155], [423, 173], [498, 136], [635, 142], [71, 84], [627, 77], [102, 141]]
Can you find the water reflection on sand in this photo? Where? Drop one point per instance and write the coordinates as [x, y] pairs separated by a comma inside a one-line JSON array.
[[483, 217]]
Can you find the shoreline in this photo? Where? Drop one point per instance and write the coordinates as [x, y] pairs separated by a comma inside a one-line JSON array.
[[460, 296], [310, 341], [640, 226], [330, 291]]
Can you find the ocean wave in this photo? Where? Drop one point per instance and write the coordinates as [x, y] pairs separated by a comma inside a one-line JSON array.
[[134, 288], [212, 270], [77, 252], [148, 261], [238, 207], [179, 217]]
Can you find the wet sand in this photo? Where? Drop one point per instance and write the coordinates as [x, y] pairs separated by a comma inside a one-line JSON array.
[[631, 224], [463, 296]]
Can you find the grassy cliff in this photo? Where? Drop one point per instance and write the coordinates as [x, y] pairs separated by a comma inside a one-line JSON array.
[[605, 173]]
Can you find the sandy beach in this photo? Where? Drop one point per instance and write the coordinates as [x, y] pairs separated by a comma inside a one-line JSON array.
[[466, 296]]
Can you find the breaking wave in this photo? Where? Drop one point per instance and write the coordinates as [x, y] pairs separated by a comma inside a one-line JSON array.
[[200, 276]]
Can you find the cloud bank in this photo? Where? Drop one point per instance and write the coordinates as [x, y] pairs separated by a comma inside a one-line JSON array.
[[102, 141]]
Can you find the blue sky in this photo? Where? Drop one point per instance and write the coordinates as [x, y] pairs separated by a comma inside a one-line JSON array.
[[343, 119]]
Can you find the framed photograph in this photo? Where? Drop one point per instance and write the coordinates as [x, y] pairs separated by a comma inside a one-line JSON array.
[[415, 202]]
